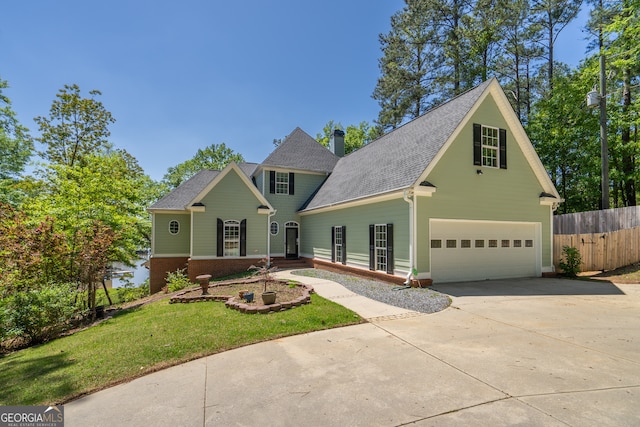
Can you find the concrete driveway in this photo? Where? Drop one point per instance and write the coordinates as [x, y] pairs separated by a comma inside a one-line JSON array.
[[513, 352]]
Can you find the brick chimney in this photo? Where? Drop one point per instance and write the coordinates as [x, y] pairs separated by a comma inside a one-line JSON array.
[[336, 142]]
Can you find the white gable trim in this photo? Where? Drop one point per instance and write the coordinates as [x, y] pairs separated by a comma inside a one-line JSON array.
[[391, 195], [231, 166], [516, 129]]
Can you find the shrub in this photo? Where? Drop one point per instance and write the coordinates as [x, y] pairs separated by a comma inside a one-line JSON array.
[[177, 280], [570, 264], [37, 315]]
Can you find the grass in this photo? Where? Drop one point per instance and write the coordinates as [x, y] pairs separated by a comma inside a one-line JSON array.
[[142, 340]]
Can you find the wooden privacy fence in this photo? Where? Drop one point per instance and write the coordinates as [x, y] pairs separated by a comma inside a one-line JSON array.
[[604, 221], [601, 251]]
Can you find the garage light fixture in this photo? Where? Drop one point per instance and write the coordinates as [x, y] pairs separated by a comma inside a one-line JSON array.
[[479, 171]]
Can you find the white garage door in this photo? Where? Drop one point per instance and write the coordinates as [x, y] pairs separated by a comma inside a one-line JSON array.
[[479, 250]]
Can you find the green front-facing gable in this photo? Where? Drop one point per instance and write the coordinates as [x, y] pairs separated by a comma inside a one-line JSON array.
[[229, 199], [495, 194]]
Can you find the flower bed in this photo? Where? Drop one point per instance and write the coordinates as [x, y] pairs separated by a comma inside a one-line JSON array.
[[288, 295]]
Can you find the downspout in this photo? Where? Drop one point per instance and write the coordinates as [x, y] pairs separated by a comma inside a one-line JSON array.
[[271, 214], [408, 197]]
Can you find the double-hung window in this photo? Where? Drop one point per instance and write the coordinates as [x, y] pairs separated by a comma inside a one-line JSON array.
[[339, 244], [381, 247], [232, 238], [489, 146], [282, 183]]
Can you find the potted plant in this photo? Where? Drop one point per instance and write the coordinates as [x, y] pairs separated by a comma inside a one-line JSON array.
[[265, 270]]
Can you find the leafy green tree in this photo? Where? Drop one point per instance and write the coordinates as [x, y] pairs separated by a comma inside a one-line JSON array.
[[16, 148], [214, 157], [109, 188], [355, 137], [76, 127], [621, 45], [565, 135]]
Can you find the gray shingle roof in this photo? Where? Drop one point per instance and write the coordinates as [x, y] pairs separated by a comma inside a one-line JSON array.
[[183, 195], [397, 159], [301, 151]]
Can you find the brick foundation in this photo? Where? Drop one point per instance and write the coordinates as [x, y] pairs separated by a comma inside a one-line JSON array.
[[158, 269], [340, 268]]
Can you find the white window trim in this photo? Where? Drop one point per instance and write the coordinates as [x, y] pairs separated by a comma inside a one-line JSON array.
[[495, 148], [271, 228], [290, 224], [337, 238], [169, 227], [282, 184], [236, 250], [380, 250]]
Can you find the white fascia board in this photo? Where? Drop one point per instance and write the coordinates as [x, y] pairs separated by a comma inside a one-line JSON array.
[[392, 195]]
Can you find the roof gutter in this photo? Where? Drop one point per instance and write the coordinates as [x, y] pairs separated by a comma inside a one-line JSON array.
[[407, 195]]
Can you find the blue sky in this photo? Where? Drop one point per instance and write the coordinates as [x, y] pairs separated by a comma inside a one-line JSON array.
[[181, 75]]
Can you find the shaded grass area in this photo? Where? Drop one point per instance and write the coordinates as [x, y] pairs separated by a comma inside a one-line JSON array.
[[145, 339]]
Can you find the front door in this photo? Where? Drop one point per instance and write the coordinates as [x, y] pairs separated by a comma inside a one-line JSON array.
[[291, 242]]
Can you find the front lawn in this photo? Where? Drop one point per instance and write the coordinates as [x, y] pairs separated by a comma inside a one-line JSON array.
[[145, 339]]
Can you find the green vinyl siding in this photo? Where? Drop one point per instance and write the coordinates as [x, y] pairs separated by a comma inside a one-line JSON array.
[[510, 194], [259, 181], [316, 231], [166, 243], [287, 206], [230, 199]]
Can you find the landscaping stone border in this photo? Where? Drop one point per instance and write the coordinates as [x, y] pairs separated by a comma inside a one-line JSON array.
[[235, 303]]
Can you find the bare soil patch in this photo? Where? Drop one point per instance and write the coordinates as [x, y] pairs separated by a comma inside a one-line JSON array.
[[623, 275]]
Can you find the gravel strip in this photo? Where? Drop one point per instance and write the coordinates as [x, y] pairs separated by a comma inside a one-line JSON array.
[[416, 299]]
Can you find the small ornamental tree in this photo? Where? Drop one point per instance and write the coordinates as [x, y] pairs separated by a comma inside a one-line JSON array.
[[94, 246], [570, 264]]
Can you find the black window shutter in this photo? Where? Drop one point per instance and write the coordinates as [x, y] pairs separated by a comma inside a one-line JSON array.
[[272, 182], [372, 247], [291, 183], [333, 244], [344, 244], [477, 144], [502, 142], [390, 248], [243, 237], [220, 238]]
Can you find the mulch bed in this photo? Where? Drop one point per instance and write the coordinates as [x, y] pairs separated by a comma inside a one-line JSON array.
[[288, 295]]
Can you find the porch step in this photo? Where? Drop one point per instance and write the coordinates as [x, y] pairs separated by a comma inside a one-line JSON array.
[[286, 263]]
